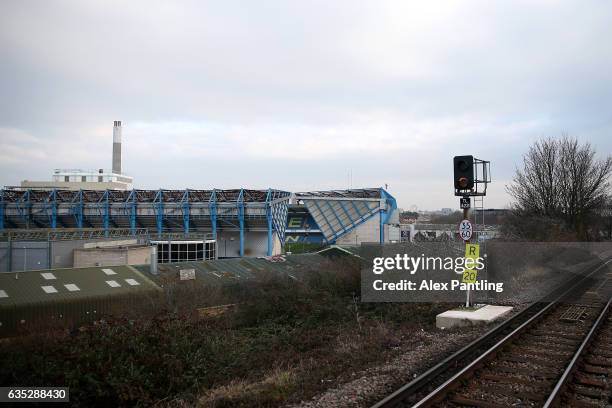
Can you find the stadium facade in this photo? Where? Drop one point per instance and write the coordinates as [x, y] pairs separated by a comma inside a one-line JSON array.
[[224, 223], [345, 217]]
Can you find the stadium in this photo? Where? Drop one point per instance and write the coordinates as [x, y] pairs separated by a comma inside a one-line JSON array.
[[87, 243], [240, 222], [96, 218]]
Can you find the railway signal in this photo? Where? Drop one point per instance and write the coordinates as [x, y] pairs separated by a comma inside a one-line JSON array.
[[470, 178], [464, 172]]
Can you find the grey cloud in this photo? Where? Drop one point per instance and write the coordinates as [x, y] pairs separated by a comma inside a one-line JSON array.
[[246, 92]]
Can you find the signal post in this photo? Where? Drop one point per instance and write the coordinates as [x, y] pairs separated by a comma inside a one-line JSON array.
[[468, 183], [471, 177]]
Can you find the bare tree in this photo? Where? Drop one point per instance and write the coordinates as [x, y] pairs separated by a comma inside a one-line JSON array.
[[562, 180]]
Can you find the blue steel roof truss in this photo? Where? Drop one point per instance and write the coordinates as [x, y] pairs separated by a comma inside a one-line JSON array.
[[362, 216], [172, 210]]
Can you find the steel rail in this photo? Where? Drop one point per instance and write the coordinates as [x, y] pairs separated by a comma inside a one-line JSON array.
[[415, 385], [422, 380], [567, 374], [438, 393]]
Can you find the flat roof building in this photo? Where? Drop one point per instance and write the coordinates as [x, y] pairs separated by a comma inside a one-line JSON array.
[[79, 179]]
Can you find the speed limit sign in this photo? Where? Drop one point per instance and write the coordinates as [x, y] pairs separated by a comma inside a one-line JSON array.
[[465, 230]]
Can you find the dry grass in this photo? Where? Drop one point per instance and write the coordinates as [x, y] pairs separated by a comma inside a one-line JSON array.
[[274, 387], [274, 347]]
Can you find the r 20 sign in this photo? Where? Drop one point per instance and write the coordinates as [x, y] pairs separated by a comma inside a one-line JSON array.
[[465, 230]]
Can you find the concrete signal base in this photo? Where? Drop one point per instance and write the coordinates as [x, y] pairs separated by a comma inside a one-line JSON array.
[[471, 317]]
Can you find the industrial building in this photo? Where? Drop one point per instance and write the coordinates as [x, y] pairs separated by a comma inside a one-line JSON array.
[[185, 225], [79, 179], [241, 222], [36, 249], [67, 297]]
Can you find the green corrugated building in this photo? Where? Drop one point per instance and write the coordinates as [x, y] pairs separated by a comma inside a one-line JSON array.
[[65, 297]]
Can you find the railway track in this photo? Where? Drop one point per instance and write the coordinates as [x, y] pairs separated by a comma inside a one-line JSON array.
[[587, 380], [537, 358]]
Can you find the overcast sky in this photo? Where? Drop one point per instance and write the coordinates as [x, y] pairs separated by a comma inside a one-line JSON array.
[[297, 95]]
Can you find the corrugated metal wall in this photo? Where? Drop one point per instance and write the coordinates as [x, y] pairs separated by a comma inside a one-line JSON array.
[[36, 255]]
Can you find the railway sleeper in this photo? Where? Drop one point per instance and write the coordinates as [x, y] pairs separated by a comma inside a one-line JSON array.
[[530, 360], [548, 345], [546, 354], [599, 345], [595, 369], [598, 361], [507, 392], [603, 353], [593, 393], [553, 338], [561, 334], [517, 380], [470, 402], [545, 374], [578, 403], [590, 381]]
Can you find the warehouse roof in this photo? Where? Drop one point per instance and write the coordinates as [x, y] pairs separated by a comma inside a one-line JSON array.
[[69, 284], [235, 270]]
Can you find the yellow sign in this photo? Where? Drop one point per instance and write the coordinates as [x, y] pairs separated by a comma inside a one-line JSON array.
[[472, 251], [469, 276]]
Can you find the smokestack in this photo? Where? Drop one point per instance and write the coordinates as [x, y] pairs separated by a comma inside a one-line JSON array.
[[117, 147]]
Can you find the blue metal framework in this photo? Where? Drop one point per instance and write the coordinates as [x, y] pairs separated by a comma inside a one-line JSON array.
[[130, 204], [185, 208], [158, 206], [276, 218], [240, 205], [51, 208], [24, 208], [1, 210], [159, 211], [77, 208], [316, 204], [385, 214], [105, 205], [338, 212], [212, 208], [269, 221]]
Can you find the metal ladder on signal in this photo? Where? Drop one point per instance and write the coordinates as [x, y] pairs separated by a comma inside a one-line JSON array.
[[479, 226], [479, 218]]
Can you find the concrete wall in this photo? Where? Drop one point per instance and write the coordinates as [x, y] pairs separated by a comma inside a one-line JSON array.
[[44, 254], [113, 243], [369, 231], [137, 255], [24, 255], [255, 244]]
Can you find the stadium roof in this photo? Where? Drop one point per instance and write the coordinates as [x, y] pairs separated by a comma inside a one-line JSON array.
[[357, 193], [338, 212], [17, 194]]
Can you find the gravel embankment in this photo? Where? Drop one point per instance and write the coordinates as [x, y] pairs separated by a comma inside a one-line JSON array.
[[421, 351]]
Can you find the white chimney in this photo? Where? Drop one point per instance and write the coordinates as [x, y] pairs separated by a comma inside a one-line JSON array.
[[117, 147]]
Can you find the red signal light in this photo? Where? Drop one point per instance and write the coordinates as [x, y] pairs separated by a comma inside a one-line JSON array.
[[463, 182]]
